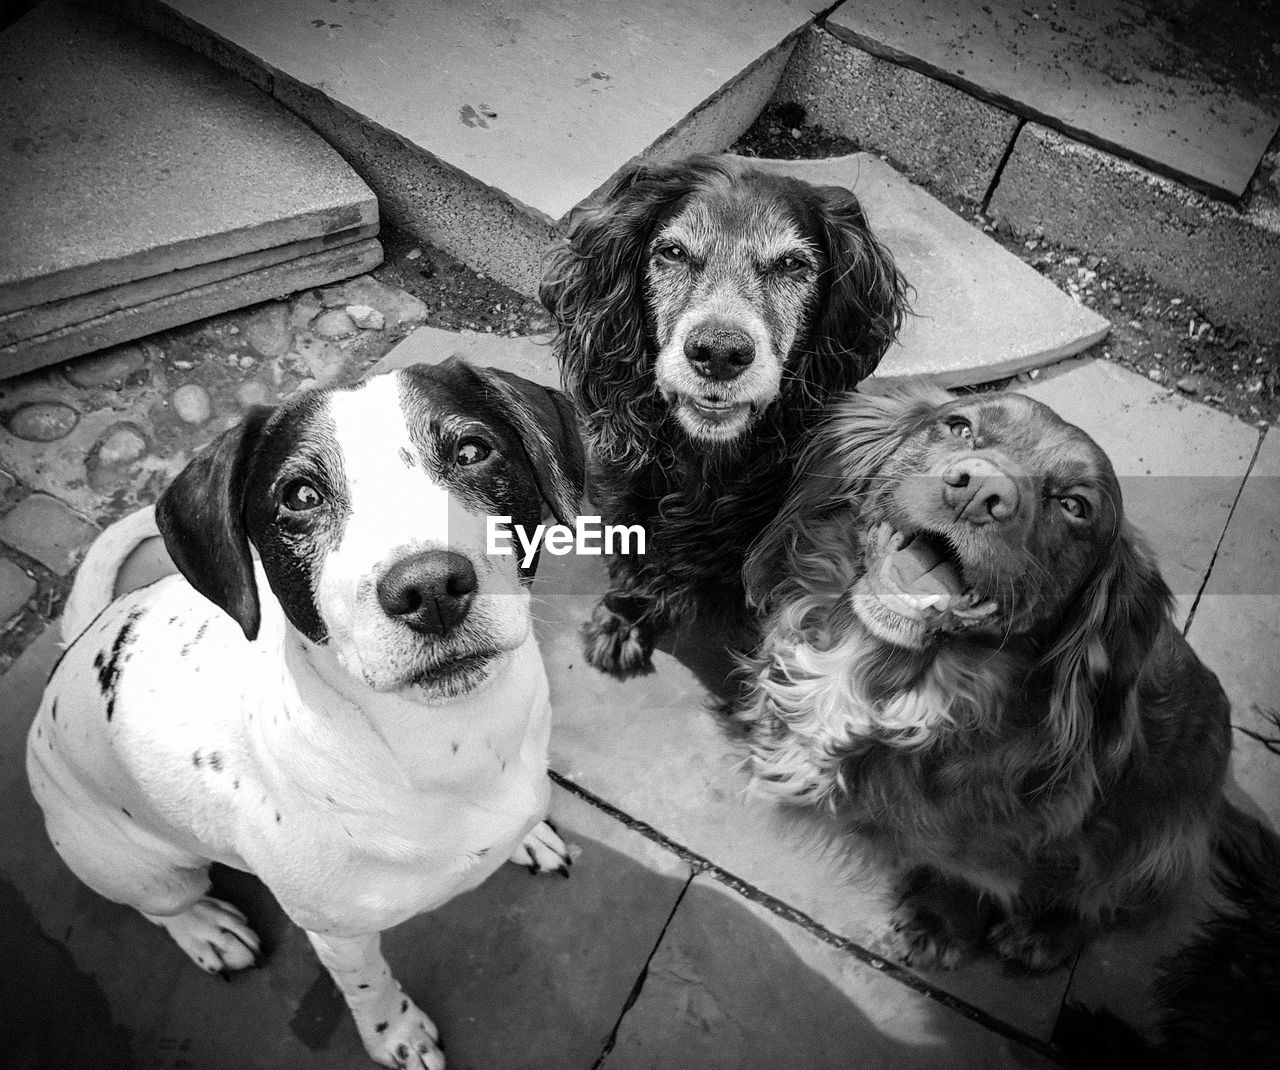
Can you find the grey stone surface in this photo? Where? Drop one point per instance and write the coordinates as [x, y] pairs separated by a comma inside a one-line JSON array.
[[1226, 259], [1117, 74], [1236, 626], [192, 404], [522, 972], [720, 120], [16, 587], [109, 368], [277, 280], [980, 312], [431, 345], [55, 315], [123, 157], [939, 133], [732, 985], [397, 307], [541, 100], [1180, 463], [47, 529], [41, 421]]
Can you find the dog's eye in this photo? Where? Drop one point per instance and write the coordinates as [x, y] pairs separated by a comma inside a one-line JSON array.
[[1075, 506], [960, 427], [791, 265], [472, 451], [673, 253], [299, 496]]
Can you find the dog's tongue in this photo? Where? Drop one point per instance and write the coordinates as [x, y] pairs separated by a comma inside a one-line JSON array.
[[919, 570]]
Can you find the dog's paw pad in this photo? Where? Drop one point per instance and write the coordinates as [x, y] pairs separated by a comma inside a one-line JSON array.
[[214, 934], [408, 1040], [543, 851], [614, 644]]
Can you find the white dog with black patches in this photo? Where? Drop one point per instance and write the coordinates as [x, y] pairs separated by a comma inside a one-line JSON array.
[[360, 717]]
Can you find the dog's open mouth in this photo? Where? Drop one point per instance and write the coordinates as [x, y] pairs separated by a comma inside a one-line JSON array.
[[920, 577]]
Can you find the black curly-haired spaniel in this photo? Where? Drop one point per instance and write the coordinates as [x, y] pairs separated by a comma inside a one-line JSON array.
[[706, 310]]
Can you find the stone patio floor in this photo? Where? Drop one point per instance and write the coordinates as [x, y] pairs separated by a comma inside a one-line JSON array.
[[698, 929]]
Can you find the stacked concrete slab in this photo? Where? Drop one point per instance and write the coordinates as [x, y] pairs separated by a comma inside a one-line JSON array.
[[1098, 127], [142, 187], [480, 127]]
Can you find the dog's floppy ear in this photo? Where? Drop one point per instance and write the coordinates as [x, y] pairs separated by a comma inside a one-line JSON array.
[[546, 424], [201, 516], [862, 430], [1101, 646], [864, 295], [592, 288]]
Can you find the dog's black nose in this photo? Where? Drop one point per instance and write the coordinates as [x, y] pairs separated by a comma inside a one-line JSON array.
[[718, 352], [979, 491], [430, 592]]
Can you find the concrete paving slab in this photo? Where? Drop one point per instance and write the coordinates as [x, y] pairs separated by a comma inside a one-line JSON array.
[[47, 529], [522, 972], [940, 134], [649, 747], [124, 157], [980, 312], [1180, 463], [27, 323], [1110, 73], [1236, 628], [1226, 258], [733, 985], [431, 345], [16, 587], [137, 321], [542, 101]]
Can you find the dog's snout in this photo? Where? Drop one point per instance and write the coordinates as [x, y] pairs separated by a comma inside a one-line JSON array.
[[430, 592], [979, 491], [719, 352]]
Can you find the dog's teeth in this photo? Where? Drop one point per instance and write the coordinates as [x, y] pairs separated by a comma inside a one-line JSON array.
[[896, 542]]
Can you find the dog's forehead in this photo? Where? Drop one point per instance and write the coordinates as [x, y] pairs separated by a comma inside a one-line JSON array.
[[735, 217], [409, 409], [1035, 430]]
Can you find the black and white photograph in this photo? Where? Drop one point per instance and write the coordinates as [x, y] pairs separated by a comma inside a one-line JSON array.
[[640, 534]]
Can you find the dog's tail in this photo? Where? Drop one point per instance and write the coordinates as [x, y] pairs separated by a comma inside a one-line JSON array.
[[95, 583], [1219, 995]]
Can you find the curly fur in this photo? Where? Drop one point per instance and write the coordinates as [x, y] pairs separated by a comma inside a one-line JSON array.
[[702, 503], [1055, 766]]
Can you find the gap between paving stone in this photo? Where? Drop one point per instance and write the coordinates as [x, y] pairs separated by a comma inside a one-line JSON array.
[[885, 966]]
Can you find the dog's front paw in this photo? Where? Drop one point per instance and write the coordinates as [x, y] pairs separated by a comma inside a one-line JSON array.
[[938, 922], [406, 1040], [214, 934], [925, 941], [543, 851], [616, 644], [1037, 945]]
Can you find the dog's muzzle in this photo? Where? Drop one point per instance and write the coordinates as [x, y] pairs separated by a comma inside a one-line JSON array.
[[430, 592], [719, 353]]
